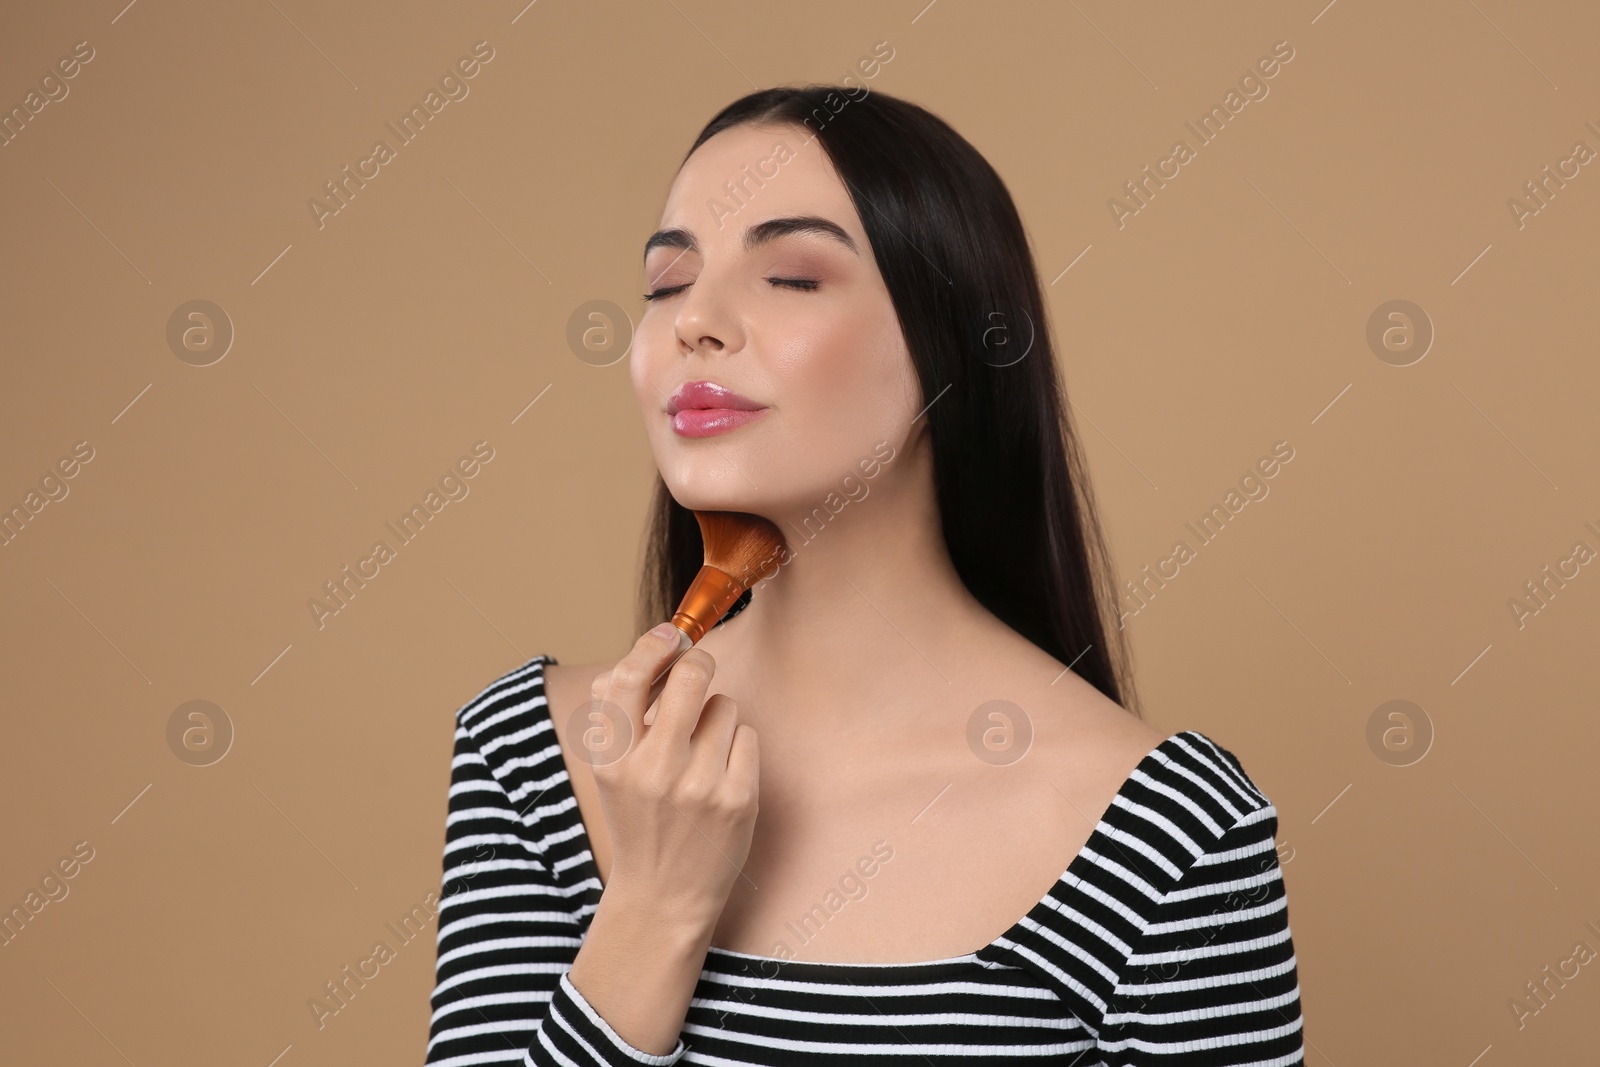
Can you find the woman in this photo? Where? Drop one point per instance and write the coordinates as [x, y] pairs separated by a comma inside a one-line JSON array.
[[967, 848]]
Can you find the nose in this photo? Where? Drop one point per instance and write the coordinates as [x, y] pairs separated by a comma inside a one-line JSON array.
[[706, 320]]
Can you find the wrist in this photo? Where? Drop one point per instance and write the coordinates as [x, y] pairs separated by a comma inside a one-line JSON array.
[[645, 915]]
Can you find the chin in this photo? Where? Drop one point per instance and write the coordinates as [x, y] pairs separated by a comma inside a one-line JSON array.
[[718, 486], [699, 499]]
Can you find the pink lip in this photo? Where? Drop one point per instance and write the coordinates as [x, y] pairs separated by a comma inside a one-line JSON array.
[[706, 422], [704, 394], [704, 408]]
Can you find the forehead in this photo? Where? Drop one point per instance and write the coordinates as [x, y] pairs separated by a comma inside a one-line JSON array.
[[746, 174]]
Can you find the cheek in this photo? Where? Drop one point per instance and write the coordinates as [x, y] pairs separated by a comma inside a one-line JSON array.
[[647, 359], [847, 379]]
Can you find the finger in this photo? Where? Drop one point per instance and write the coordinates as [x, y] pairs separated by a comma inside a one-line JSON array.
[[744, 759], [713, 735], [625, 685], [678, 710], [660, 683]]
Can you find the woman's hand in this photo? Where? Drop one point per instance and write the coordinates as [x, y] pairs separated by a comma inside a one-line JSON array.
[[681, 798]]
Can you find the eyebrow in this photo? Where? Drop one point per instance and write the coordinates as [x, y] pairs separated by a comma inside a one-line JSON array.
[[758, 234]]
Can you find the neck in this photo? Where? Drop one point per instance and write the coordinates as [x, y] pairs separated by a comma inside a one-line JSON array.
[[869, 605]]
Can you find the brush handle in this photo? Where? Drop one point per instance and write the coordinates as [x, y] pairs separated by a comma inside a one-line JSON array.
[[707, 600]]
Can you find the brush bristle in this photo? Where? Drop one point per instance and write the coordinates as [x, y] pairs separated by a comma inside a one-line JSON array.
[[740, 545]]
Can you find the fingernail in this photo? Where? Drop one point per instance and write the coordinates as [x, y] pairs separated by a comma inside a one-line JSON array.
[[666, 632]]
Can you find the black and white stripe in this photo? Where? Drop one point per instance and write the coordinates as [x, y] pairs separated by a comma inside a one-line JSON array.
[[1166, 941]]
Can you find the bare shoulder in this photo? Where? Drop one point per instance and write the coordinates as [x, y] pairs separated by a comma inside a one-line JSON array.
[[1085, 737], [1094, 722]]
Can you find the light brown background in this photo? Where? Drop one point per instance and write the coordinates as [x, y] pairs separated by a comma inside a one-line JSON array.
[[370, 354]]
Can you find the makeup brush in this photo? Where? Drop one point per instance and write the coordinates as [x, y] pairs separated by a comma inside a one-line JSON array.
[[739, 549]]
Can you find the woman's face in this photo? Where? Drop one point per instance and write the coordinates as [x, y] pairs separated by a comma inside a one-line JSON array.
[[797, 321]]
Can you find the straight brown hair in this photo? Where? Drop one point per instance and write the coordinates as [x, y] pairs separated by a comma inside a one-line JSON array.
[[1015, 503]]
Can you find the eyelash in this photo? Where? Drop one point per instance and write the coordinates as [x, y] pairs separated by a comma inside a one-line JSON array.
[[800, 284]]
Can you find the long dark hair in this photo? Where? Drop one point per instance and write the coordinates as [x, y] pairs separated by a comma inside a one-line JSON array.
[[1013, 491]]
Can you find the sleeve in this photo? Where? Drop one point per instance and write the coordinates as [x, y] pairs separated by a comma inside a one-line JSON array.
[[1211, 980], [506, 939]]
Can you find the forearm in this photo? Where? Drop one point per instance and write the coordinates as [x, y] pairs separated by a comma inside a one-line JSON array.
[[638, 971]]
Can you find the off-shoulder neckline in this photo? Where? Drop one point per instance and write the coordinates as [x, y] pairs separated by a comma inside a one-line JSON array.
[[1098, 840]]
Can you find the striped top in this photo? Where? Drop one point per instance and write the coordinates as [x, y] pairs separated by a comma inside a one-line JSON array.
[[1166, 941]]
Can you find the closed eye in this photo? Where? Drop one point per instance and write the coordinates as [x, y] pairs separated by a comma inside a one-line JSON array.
[[801, 284]]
